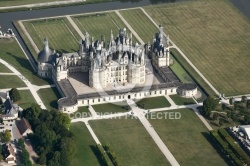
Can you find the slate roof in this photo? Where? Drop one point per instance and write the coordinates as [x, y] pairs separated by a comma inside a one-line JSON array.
[[10, 108], [7, 150]]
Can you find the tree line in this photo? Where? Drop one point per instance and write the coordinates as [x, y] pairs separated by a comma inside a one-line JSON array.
[[51, 138]]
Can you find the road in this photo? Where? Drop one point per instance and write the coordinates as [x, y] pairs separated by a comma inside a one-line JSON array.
[[30, 6], [28, 84], [140, 114], [183, 55]]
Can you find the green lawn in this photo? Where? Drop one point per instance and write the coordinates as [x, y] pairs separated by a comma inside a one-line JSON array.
[[61, 34], [187, 139], [111, 108], [190, 70], [140, 23], [4, 69], [153, 102], [49, 97], [82, 112], [130, 142], [86, 151], [100, 24], [181, 100], [180, 72], [26, 99], [11, 81], [11, 53], [214, 36]]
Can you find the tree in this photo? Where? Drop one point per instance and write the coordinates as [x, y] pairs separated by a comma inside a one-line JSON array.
[[67, 149], [209, 104], [236, 106], [221, 122], [1, 101], [229, 114], [231, 101], [223, 106], [247, 119], [14, 95], [215, 116], [248, 104], [21, 143], [32, 112], [55, 160], [42, 159], [243, 99], [6, 136], [1, 120]]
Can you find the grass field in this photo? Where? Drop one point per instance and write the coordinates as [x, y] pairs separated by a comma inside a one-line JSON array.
[[4, 69], [140, 23], [49, 96], [11, 81], [85, 152], [215, 38], [100, 24], [153, 102], [187, 139], [61, 34], [181, 100], [111, 108], [130, 142], [180, 72], [26, 99], [82, 112], [11, 53]]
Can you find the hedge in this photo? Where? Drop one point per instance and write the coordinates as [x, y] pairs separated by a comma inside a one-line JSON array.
[[104, 155], [224, 147], [112, 155], [235, 147]]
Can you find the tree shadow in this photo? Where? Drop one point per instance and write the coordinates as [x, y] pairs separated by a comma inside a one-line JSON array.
[[97, 154], [222, 155], [188, 102]]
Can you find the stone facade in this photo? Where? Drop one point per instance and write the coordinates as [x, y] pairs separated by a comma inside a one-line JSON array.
[[121, 62], [118, 63]]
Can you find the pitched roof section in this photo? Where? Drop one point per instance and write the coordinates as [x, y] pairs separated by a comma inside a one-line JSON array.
[[10, 108], [23, 125]]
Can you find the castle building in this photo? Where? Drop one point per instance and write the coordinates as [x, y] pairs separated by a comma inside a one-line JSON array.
[[121, 62]]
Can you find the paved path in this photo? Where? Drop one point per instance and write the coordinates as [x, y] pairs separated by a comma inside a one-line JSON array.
[[43, 87], [75, 26], [204, 121], [170, 100], [129, 27], [7, 74], [92, 133], [29, 85], [183, 55], [42, 4], [92, 111], [139, 112], [36, 88]]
